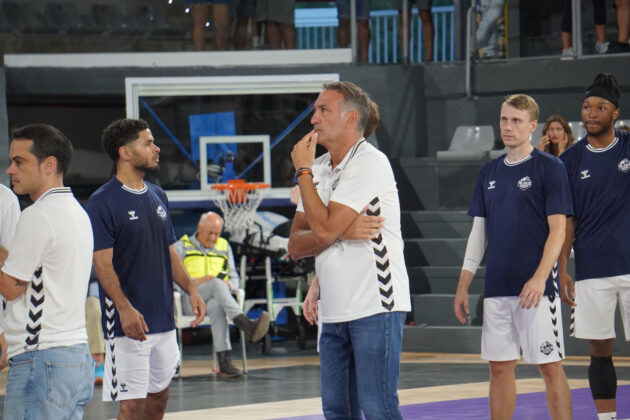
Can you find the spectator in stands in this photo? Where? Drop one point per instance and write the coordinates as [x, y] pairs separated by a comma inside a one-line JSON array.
[[428, 28], [525, 193], [599, 15], [279, 19], [209, 261], [488, 34], [244, 12], [96, 339], [624, 127], [623, 26], [220, 23], [363, 26], [557, 136]]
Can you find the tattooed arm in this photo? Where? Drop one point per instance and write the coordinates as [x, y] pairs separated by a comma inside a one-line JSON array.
[[12, 288]]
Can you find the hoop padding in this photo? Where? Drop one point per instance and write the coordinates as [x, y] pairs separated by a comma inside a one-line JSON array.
[[238, 201]]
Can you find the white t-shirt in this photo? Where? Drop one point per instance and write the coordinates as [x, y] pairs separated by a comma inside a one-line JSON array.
[[9, 215], [52, 249], [360, 278]]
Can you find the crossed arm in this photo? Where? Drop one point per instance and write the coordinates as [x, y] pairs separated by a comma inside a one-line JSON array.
[[10, 287]]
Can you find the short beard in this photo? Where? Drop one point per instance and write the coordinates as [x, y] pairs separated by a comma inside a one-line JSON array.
[[145, 168], [152, 169], [140, 164], [599, 132]]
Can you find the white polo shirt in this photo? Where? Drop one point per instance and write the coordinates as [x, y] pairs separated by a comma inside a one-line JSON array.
[[52, 250], [9, 215], [360, 278]]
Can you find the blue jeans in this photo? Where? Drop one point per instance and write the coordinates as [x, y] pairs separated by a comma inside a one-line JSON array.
[[360, 366], [49, 384]]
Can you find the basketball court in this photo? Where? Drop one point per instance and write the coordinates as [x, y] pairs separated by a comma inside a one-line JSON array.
[[285, 385]]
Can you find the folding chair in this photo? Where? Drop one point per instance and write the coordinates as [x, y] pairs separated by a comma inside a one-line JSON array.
[[183, 321]]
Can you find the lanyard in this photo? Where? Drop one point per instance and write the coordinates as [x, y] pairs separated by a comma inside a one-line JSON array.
[[352, 153]]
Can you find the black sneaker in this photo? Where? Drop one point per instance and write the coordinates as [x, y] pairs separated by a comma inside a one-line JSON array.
[[618, 48]]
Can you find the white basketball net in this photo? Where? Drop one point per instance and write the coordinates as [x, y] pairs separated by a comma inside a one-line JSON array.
[[238, 206]]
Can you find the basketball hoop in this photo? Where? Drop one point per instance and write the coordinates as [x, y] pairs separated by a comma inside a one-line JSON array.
[[238, 201]]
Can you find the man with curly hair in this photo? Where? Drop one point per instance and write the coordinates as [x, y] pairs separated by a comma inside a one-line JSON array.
[[136, 264]]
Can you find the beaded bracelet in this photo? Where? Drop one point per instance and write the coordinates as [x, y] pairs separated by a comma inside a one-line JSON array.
[[302, 171]]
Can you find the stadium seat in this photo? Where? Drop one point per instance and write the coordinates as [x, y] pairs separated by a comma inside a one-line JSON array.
[[496, 153], [66, 17], [111, 17], [578, 129], [536, 135], [621, 122], [151, 16], [469, 143], [26, 18]]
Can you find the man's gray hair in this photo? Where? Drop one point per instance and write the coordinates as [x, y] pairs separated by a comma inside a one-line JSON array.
[[354, 98]]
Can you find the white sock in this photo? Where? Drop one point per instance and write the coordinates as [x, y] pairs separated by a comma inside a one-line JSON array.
[[607, 416]]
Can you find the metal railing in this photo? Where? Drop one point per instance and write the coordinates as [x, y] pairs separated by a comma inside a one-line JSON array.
[[317, 28]]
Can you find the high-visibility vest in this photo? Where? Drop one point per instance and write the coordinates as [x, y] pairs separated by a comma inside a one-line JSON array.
[[199, 264]]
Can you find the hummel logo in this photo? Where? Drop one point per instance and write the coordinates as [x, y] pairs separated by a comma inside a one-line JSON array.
[[491, 185], [585, 174], [123, 387], [132, 215]]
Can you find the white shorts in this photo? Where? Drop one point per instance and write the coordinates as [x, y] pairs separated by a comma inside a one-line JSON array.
[[507, 328], [135, 368], [594, 316]]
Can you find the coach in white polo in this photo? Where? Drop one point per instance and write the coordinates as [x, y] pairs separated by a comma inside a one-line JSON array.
[[362, 283], [45, 280]]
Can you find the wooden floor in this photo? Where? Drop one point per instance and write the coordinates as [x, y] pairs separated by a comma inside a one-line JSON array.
[[287, 385], [311, 406]]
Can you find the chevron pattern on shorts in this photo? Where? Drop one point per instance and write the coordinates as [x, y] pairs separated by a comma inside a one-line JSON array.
[[110, 322], [554, 308], [35, 310], [383, 272]]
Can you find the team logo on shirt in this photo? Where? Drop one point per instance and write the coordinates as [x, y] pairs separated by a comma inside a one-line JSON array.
[[624, 165], [491, 185], [524, 183], [161, 212], [132, 215], [585, 174], [546, 348]]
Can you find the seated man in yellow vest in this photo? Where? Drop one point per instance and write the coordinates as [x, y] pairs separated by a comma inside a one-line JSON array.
[[209, 261]]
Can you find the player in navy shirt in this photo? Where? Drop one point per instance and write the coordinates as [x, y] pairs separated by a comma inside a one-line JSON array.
[[519, 208], [136, 264], [598, 167]]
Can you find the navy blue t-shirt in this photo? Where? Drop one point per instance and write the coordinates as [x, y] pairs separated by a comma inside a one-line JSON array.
[[137, 226], [515, 199], [600, 186]]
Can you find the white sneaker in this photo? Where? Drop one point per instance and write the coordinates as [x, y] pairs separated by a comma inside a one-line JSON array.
[[601, 47], [567, 54]]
